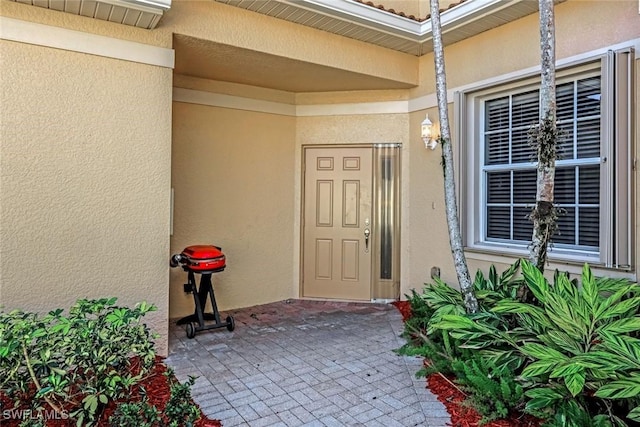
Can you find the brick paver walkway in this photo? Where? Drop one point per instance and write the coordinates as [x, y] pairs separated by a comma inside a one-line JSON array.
[[306, 363]]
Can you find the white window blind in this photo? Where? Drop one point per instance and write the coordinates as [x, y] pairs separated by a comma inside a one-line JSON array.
[[592, 183]]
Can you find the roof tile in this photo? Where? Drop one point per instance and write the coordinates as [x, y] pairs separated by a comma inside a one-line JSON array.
[[404, 15]]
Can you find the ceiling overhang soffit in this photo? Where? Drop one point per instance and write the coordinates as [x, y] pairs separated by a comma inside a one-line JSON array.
[[137, 13], [362, 22]]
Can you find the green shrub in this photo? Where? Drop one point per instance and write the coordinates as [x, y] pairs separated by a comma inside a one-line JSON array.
[[492, 391], [74, 364], [575, 347], [178, 412], [137, 414], [427, 337], [482, 364]]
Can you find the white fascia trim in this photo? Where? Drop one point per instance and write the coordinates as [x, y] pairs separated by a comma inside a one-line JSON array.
[[76, 41], [162, 4], [199, 97], [153, 7], [398, 25], [461, 14], [363, 14]]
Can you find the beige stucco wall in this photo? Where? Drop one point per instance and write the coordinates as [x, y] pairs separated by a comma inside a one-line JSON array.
[[84, 180], [232, 174]]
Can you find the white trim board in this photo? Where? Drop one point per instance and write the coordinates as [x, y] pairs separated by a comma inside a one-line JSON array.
[[360, 108], [76, 41], [211, 99]]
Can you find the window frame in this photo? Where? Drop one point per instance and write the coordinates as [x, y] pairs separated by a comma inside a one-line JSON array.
[[616, 241]]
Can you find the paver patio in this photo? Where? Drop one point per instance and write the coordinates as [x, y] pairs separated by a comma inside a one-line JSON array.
[[306, 363]]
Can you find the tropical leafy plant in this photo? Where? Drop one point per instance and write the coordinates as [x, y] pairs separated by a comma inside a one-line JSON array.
[[488, 381], [578, 345]]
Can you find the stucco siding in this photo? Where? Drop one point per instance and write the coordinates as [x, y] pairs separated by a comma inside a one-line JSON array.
[[84, 180], [232, 175]]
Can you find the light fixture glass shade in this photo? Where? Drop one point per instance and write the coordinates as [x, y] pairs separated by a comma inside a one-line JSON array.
[[426, 127], [426, 133]]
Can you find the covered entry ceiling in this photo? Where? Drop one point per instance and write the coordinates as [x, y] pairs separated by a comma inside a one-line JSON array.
[[354, 19], [214, 61]]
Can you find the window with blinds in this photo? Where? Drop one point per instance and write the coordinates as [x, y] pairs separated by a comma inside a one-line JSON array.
[[509, 171], [593, 184]]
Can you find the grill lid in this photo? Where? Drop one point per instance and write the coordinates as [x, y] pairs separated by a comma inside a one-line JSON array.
[[202, 252]]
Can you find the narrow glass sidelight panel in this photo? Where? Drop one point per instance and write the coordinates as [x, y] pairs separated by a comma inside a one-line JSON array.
[[386, 256]]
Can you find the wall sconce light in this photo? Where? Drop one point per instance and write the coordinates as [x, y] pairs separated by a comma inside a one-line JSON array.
[[427, 134]]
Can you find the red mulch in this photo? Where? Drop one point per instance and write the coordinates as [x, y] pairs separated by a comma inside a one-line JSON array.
[[453, 399], [404, 307], [157, 388]]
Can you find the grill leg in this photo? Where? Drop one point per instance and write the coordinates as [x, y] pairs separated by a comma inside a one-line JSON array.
[[212, 296], [200, 296], [198, 315]]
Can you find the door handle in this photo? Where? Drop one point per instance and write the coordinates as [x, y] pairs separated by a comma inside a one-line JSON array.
[[367, 233]]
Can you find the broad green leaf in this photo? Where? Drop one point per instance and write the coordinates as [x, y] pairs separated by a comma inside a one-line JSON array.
[[449, 309], [611, 301], [564, 317], [43, 391], [508, 274], [559, 340], [535, 281], [620, 389], [542, 352], [575, 382], [589, 289], [622, 307], [539, 368], [563, 287], [623, 326], [565, 369], [611, 285], [538, 314], [479, 281], [626, 347], [634, 414], [603, 420], [453, 322], [542, 398]]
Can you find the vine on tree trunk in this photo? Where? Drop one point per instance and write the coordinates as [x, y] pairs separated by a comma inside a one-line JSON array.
[[544, 139]]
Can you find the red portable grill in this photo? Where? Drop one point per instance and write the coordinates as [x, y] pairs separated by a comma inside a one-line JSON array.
[[204, 260]]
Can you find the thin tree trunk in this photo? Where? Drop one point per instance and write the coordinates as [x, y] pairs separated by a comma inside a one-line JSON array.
[[451, 204], [545, 140]]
